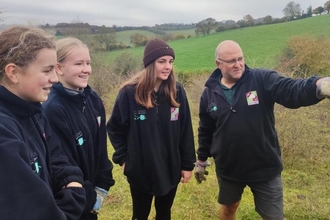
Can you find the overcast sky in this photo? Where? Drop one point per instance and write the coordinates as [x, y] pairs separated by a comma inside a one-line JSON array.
[[140, 12]]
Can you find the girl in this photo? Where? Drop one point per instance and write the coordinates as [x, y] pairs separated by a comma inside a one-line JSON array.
[[77, 116], [150, 129], [36, 182]]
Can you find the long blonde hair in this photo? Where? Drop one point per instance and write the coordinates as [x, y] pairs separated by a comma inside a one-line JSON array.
[[145, 81]]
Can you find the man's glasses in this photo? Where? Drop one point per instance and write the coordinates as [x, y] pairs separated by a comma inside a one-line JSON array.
[[233, 61]]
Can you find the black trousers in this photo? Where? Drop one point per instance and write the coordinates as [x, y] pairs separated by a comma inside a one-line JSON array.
[[142, 204]]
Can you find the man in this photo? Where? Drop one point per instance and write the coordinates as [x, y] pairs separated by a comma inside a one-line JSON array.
[[237, 129]]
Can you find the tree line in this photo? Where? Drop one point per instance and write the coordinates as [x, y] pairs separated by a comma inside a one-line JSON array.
[[292, 11]]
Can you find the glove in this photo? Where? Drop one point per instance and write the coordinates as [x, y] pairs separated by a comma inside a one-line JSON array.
[[200, 171], [101, 194], [323, 88]]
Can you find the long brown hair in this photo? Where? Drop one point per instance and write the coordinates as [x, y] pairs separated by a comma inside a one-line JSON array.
[[145, 81]]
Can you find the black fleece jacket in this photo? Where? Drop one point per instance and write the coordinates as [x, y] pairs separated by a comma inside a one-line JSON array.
[[33, 171], [242, 137], [155, 143], [79, 122]]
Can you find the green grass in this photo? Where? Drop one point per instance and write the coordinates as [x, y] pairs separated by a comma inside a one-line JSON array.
[[261, 44], [124, 36]]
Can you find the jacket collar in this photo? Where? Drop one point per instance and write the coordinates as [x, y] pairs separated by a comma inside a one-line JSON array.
[[213, 81], [74, 97], [17, 106]]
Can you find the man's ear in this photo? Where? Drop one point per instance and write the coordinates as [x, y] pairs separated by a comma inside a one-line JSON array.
[[11, 71], [58, 69], [217, 62]]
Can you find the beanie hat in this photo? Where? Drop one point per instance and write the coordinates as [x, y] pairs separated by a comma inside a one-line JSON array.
[[154, 49]]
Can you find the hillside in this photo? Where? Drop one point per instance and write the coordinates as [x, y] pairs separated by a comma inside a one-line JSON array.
[[261, 44], [124, 36]]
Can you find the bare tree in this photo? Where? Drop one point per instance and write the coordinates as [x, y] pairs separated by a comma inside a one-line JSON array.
[[292, 10], [318, 11], [309, 11], [249, 19], [138, 39], [327, 6], [206, 26], [242, 23], [106, 36], [268, 19]]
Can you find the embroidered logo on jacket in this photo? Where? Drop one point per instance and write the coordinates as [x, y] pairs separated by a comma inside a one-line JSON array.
[[212, 108], [252, 98], [140, 115], [79, 138], [34, 163], [174, 114]]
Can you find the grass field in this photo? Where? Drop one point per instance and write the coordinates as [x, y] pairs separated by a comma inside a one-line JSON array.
[[124, 36], [261, 44]]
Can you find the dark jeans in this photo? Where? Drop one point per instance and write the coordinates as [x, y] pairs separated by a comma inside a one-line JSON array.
[[142, 204]]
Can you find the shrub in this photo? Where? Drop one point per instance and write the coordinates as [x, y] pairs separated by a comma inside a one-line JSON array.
[[126, 64], [103, 79], [306, 56]]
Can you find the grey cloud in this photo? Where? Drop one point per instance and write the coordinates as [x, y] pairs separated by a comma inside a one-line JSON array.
[[143, 12]]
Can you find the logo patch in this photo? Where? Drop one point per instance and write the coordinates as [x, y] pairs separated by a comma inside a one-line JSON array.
[[140, 115], [212, 108], [79, 138], [174, 114], [252, 98], [34, 163]]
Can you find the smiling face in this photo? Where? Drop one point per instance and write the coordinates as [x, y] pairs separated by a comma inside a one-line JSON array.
[[33, 82], [75, 69]]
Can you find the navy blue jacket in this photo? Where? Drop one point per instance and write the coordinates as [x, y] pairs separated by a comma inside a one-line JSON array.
[[242, 137], [79, 122], [155, 143], [32, 171]]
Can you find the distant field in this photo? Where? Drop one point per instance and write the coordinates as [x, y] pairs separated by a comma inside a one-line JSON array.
[[124, 36], [261, 44], [186, 32]]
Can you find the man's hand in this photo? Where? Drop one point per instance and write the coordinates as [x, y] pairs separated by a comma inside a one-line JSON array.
[[101, 194], [323, 88], [200, 170]]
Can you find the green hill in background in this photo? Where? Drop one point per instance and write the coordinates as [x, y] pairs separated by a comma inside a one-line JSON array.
[[124, 36], [261, 44]]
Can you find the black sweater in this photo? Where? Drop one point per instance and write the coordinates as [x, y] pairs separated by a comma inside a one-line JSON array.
[[79, 122], [242, 136], [155, 143], [32, 171]]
